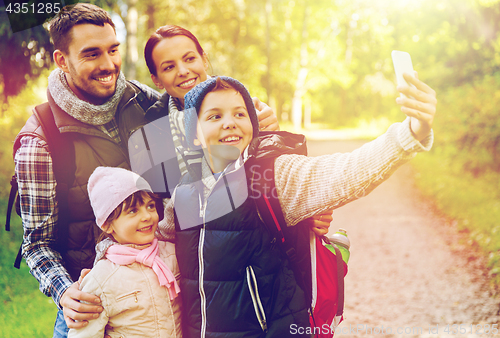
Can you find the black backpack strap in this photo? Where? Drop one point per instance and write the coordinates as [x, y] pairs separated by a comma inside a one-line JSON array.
[[340, 281], [62, 151], [293, 241], [12, 199]]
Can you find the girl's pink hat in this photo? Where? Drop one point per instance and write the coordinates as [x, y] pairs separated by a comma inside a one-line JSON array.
[[108, 187]]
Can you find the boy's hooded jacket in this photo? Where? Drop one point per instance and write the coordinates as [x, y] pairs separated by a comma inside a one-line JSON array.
[[235, 282]]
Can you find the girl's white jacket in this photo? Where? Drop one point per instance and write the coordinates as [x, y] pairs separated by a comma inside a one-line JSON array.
[[135, 305]]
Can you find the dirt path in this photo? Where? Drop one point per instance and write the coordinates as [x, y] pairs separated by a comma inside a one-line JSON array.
[[409, 273]]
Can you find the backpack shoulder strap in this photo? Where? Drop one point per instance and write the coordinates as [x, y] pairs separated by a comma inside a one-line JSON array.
[[62, 153], [264, 190], [293, 241], [12, 199], [61, 150]]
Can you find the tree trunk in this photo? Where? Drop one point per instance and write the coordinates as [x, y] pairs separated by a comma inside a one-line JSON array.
[[150, 12], [300, 84], [268, 49], [131, 54], [307, 113]]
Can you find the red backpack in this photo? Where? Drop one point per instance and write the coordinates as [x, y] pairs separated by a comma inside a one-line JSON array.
[[318, 271]]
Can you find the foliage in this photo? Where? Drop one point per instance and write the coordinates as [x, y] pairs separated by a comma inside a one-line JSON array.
[[26, 312], [23, 55], [13, 114], [473, 202], [470, 131]]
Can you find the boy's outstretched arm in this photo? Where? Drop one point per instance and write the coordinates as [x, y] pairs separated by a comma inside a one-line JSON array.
[[420, 105], [309, 185]]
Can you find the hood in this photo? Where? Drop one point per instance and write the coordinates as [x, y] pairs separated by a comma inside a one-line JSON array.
[[275, 143]]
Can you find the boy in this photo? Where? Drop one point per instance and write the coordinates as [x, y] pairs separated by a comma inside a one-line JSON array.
[[234, 278]]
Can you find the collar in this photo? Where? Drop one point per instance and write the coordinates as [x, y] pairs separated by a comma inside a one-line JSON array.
[[81, 110]]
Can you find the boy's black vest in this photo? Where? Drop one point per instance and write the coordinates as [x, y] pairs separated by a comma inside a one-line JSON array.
[[76, 238], [248, 284]]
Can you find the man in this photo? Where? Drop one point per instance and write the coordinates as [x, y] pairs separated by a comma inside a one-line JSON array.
[[89, 98]]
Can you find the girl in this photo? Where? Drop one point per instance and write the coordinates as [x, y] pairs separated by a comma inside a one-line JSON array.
[[136, 281]]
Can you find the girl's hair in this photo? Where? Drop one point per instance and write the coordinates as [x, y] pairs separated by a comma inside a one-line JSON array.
[[168, 31], [136, 199]]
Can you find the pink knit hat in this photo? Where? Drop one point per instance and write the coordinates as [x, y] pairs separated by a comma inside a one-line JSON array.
[[108, 187]]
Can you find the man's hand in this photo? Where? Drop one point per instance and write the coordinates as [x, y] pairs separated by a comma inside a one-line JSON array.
[[420, 105], [76, 313], [321, 223], [267, 119]]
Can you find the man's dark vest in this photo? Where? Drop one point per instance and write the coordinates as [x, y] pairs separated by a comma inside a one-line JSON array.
[[76, 240], [239, 257]]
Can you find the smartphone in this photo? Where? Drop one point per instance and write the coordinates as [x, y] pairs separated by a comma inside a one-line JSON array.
[[402, 64]]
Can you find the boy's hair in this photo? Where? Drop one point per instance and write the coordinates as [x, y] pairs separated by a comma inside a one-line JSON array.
[[136, 199], [220, 85], [82, 13]]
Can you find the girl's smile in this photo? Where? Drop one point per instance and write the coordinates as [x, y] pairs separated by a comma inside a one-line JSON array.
[[135, 225]]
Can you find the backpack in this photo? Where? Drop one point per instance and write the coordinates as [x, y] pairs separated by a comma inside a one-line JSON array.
[[63, 161], [318, 271]]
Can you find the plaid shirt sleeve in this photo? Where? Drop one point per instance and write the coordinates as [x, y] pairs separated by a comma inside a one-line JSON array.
[[37, 191]]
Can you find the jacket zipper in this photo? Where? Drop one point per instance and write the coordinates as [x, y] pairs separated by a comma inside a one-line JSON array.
[[133, 294], [254, 293], [203, 300]]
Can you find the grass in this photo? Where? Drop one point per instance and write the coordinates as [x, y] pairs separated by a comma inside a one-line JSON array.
[[24, 310], [474, 202]]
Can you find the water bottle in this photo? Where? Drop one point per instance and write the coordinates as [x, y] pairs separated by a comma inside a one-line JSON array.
[[342, 241]]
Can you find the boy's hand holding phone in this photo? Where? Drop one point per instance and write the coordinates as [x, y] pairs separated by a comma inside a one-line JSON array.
[[419, 100]]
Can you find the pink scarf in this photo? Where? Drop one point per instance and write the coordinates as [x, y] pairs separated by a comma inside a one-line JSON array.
[[124, 255]]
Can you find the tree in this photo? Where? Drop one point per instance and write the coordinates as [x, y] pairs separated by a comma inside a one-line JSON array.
[[23, 55]]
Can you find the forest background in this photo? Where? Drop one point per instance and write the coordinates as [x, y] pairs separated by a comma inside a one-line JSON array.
[[321, 65]]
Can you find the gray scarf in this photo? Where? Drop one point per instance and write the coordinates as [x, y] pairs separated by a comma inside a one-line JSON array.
[[81, 110]]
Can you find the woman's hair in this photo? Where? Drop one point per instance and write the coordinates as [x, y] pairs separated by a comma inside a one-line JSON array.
[[136, 199], [168, 31]]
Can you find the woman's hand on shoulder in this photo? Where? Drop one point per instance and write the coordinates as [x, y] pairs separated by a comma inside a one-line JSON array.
[[267, 118]]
